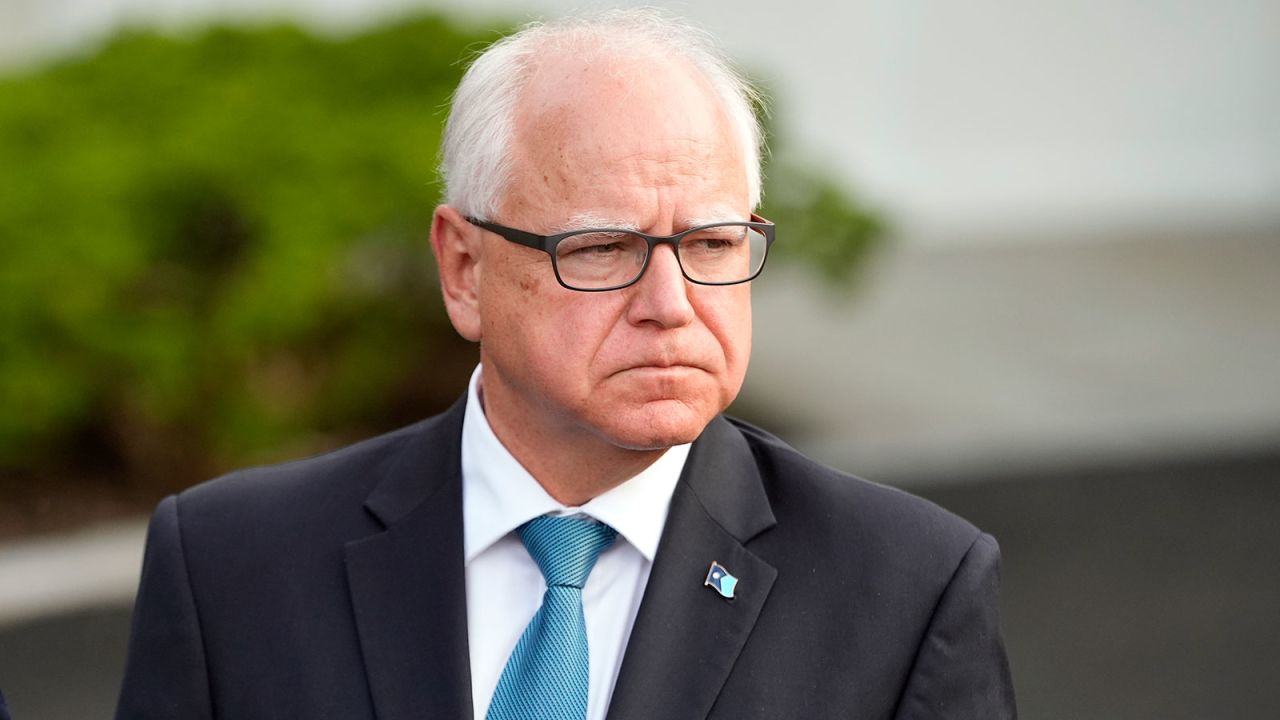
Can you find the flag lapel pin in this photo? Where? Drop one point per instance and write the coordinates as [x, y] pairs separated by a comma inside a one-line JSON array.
[[720, 580]]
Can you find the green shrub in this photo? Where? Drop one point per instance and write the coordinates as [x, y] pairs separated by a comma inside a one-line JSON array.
[[215, 248]]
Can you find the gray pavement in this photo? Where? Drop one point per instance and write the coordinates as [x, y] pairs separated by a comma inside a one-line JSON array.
[[65, 667], [1141, 593]]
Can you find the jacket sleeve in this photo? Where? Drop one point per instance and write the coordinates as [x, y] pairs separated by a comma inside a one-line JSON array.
[[165, 674], [961, 671]]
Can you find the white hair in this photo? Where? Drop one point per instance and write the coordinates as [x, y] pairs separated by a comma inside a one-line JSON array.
[[477, 154]]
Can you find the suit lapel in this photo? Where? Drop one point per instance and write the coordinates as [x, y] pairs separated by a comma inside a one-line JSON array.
[[686, 636], [408, 582]]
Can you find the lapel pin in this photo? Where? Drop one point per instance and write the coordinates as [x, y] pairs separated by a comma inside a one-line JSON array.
[[720, 580]]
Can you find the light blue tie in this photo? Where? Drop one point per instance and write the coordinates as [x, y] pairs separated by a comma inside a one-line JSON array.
[[547, 674]]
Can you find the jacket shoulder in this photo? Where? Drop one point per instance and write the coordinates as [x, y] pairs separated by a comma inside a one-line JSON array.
[[851, 509], [319, 496], [343, 471]]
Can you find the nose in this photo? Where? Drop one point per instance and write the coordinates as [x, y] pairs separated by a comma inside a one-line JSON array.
[[661, 295]]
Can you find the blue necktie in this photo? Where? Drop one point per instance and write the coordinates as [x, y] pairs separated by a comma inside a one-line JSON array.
[[547, 674]]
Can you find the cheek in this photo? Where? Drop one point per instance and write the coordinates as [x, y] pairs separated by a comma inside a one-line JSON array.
[[728, 317], [512, 291], [508, 309], [541, 325]]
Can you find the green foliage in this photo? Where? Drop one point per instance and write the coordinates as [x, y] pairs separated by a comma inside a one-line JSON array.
[[214, 248], [824, 227]]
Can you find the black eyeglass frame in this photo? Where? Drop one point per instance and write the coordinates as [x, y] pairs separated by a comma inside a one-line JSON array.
[[548, 243]]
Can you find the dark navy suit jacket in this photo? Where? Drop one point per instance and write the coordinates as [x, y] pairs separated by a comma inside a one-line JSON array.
[[334, 588]]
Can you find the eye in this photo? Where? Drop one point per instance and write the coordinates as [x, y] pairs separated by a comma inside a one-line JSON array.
[[714, 240], [593, 244]]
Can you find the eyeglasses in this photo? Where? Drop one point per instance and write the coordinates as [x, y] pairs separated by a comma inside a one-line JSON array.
[[598, 259]]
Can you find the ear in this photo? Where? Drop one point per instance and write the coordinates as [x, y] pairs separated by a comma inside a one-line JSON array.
[[457, 245]]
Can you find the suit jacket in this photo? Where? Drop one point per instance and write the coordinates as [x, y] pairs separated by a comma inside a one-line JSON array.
[[333, 587]]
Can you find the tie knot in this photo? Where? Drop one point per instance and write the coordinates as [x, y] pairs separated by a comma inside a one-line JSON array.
[[565, 548]]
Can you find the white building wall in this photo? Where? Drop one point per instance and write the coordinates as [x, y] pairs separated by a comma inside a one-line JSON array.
[[988, 120]]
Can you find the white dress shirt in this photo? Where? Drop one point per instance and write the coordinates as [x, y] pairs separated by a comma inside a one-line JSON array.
[[504, 584]]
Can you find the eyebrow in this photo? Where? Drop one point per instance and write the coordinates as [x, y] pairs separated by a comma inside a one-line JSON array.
[[589, 220], [712, 220], [722, 214]]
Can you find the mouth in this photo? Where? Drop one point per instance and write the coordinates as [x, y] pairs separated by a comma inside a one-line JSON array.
[[662, 367], [664, 364], [665, 361]]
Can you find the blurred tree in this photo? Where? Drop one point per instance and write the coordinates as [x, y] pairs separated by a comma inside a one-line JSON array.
[[215, 249], [822, 225]]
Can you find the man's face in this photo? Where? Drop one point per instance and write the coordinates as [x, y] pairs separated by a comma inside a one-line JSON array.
[[641, 145]]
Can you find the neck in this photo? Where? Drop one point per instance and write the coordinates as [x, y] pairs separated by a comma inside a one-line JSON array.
[[572, 465]]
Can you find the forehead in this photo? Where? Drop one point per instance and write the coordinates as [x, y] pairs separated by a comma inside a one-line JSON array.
[[611, 135]]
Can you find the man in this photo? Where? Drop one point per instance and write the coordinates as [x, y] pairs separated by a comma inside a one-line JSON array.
[[583, 535]]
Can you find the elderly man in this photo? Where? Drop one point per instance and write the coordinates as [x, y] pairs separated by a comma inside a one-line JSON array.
[[583, 535]]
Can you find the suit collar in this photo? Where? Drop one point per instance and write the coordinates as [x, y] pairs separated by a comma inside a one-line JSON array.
[[722, 473], [686, 636], [407, 583], [425, 463]]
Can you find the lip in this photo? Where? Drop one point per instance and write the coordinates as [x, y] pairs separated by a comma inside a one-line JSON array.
[[664, 364], [660, 368]]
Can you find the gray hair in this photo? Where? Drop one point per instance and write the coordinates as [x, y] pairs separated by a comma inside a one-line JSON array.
[[477, 155]]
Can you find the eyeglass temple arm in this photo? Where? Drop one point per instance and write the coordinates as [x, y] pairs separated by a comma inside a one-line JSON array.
[[520, 237]]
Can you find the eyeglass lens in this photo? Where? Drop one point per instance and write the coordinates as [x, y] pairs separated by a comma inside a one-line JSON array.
[[718, 255]]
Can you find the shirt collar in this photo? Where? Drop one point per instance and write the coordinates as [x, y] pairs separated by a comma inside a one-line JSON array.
[[499, 495]]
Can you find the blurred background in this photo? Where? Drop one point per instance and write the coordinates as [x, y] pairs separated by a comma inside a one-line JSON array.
[[1027, 268]]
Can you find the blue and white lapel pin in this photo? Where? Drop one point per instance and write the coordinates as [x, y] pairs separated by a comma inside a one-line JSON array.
[[720, 580]]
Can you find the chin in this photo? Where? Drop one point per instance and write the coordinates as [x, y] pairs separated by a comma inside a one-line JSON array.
[[657, 425]]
